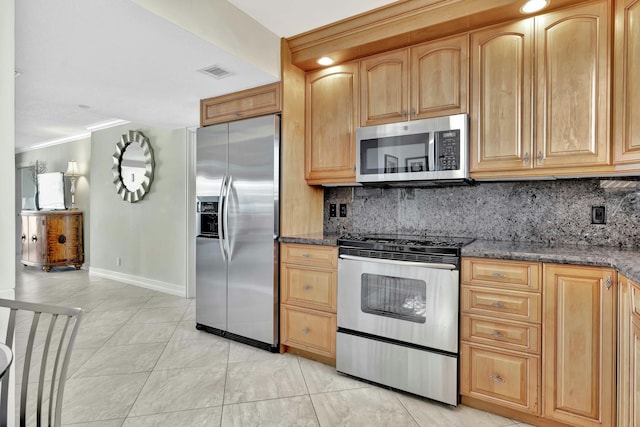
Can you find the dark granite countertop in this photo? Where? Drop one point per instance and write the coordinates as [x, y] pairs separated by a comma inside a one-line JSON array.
[[626, 261], [312, 239]]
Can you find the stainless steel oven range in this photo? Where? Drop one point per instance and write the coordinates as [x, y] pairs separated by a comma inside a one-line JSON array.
[[398, 310]]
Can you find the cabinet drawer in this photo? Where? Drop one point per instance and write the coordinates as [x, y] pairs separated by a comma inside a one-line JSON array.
[[501, 333], [523, 306], [503, 274], [309, 287], [506, 378], [310, 255], [309, 330]]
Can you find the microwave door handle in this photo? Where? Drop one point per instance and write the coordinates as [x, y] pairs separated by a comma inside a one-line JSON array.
[[432, 151], [222, 201], [227, 201], [438, 266]]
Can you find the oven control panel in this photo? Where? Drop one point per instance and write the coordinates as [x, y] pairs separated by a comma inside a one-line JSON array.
[[447, 150]]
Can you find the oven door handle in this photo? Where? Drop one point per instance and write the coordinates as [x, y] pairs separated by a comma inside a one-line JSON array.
[[401, 263]]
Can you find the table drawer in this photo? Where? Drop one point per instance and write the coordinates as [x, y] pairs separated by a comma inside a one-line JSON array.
[[311, 255], [523, 306], [504, 274], [309, 287], [509, 379], [501, 333], [309, 330]]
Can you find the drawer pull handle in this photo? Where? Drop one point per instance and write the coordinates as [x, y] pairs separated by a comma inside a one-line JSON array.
[[306, 287], [305, 331], [497, 378], [498, 275], [305, 255], [498, 334], [498, 304]]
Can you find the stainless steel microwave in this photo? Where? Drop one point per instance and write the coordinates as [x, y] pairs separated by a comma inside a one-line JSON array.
[[428, 151]]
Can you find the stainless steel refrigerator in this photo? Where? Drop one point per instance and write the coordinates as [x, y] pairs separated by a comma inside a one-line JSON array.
[[237, 222]]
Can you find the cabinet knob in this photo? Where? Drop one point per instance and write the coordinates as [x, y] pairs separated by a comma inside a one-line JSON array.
[[498, 334], [498, 275], [413, 112], [526, 158], [24, 237], [608, 283], [404, 114], [305, 331], [305, 255], [498, 304], [62, 239], [496, 378], [306, 287], [540, 156], [34, 238]]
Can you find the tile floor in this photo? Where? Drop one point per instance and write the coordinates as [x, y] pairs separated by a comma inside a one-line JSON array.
[[139, 361]]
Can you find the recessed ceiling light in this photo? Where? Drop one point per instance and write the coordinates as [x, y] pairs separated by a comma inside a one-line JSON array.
[[325, 60], [84, 106], [533, 6]]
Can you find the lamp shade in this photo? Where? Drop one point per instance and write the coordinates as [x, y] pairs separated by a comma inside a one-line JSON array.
[[72, 169]]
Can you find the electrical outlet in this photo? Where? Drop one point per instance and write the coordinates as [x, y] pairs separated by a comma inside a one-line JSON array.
[[118, 261], [343, 210], [332, 210], [598, 215]]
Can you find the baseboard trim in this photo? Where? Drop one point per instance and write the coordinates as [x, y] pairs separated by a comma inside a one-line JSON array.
[[143, 282]]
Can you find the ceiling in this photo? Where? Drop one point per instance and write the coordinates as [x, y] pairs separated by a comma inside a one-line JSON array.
[[86, 63]]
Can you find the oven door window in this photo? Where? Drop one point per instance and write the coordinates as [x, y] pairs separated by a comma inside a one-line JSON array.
[[395, 297]]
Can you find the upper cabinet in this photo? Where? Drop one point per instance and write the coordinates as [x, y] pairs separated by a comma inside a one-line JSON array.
[[253, 102], [569, 91], [501, 88], [426, 80], [626, 95], [330, 124], [572, 78]]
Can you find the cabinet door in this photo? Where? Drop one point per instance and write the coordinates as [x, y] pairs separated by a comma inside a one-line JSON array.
[[241, 105], [439, 77], [331, 112], [573, 87], [626, 96], [634, 374], [624, 341], [578, 363], [384, 88], [25, 237], [36, 239], [500, 109]]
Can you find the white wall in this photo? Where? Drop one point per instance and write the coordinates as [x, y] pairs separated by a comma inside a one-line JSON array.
[[7, 144], [149, 236]]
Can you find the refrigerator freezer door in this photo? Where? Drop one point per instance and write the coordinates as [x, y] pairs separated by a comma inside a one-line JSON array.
[[252, 213], [211, 268]]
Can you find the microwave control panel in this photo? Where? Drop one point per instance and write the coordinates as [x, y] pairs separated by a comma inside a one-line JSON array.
[[448, 149]]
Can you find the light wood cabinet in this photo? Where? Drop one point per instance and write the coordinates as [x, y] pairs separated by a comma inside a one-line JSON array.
[[501, 90], [308, 290], [501, 333], [578, 362], [626, 95], [426, 80], [241, 105], [572, 105], [628, 353], [569, 92], [331, 114], [52, 239]]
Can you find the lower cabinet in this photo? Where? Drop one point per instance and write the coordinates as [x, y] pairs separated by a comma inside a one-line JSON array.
[[544, 356], [308, 276], [52, 239]]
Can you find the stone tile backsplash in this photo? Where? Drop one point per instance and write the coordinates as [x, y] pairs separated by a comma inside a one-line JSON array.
[[555, 212]]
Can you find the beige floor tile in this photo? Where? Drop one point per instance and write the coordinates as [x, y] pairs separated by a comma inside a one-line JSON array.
[[181, 389], [190, 314], [78, 357], [290, 411], [193, 354], [121, 360], [266, 379], [355, 408], [111, 317], [166, 301], [110, 423], [194, 418], [158, 315], [143, 333], [433, 414], [186, 330], [122, 304], [239, 352], [321, 378], [101, 398], [95, 336]]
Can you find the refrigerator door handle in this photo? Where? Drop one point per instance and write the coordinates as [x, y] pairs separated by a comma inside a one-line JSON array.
[[221, 229], [227, 199]]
